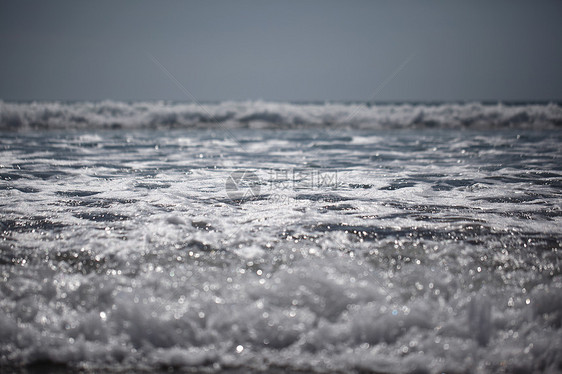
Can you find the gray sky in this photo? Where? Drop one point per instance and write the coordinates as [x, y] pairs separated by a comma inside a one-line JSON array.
[[311, 50]]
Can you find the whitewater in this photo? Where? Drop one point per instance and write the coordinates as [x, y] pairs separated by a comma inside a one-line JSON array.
[[279, 237]]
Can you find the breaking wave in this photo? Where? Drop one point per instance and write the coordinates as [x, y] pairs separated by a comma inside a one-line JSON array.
[[259, 114]]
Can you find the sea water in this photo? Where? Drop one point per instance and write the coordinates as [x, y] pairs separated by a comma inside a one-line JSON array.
[[261, 236]]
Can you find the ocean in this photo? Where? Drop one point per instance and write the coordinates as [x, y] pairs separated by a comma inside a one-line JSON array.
[[279, 237]]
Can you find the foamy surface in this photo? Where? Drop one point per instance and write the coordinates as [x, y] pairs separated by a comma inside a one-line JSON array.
[[348, 250]]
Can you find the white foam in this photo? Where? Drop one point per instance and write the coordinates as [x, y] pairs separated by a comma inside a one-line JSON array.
[[423, 257]]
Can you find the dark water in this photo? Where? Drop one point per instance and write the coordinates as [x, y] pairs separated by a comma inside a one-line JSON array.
[[246, 249]]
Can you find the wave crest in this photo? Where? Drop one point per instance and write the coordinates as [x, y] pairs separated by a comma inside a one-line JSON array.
[[259, 114]]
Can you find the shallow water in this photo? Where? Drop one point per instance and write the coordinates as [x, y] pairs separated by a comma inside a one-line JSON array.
[[366, 250]]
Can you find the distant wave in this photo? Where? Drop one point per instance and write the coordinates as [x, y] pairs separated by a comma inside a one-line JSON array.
[[259, 114]]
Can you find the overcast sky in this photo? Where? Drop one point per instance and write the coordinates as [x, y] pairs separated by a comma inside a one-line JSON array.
[[296, 50]]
